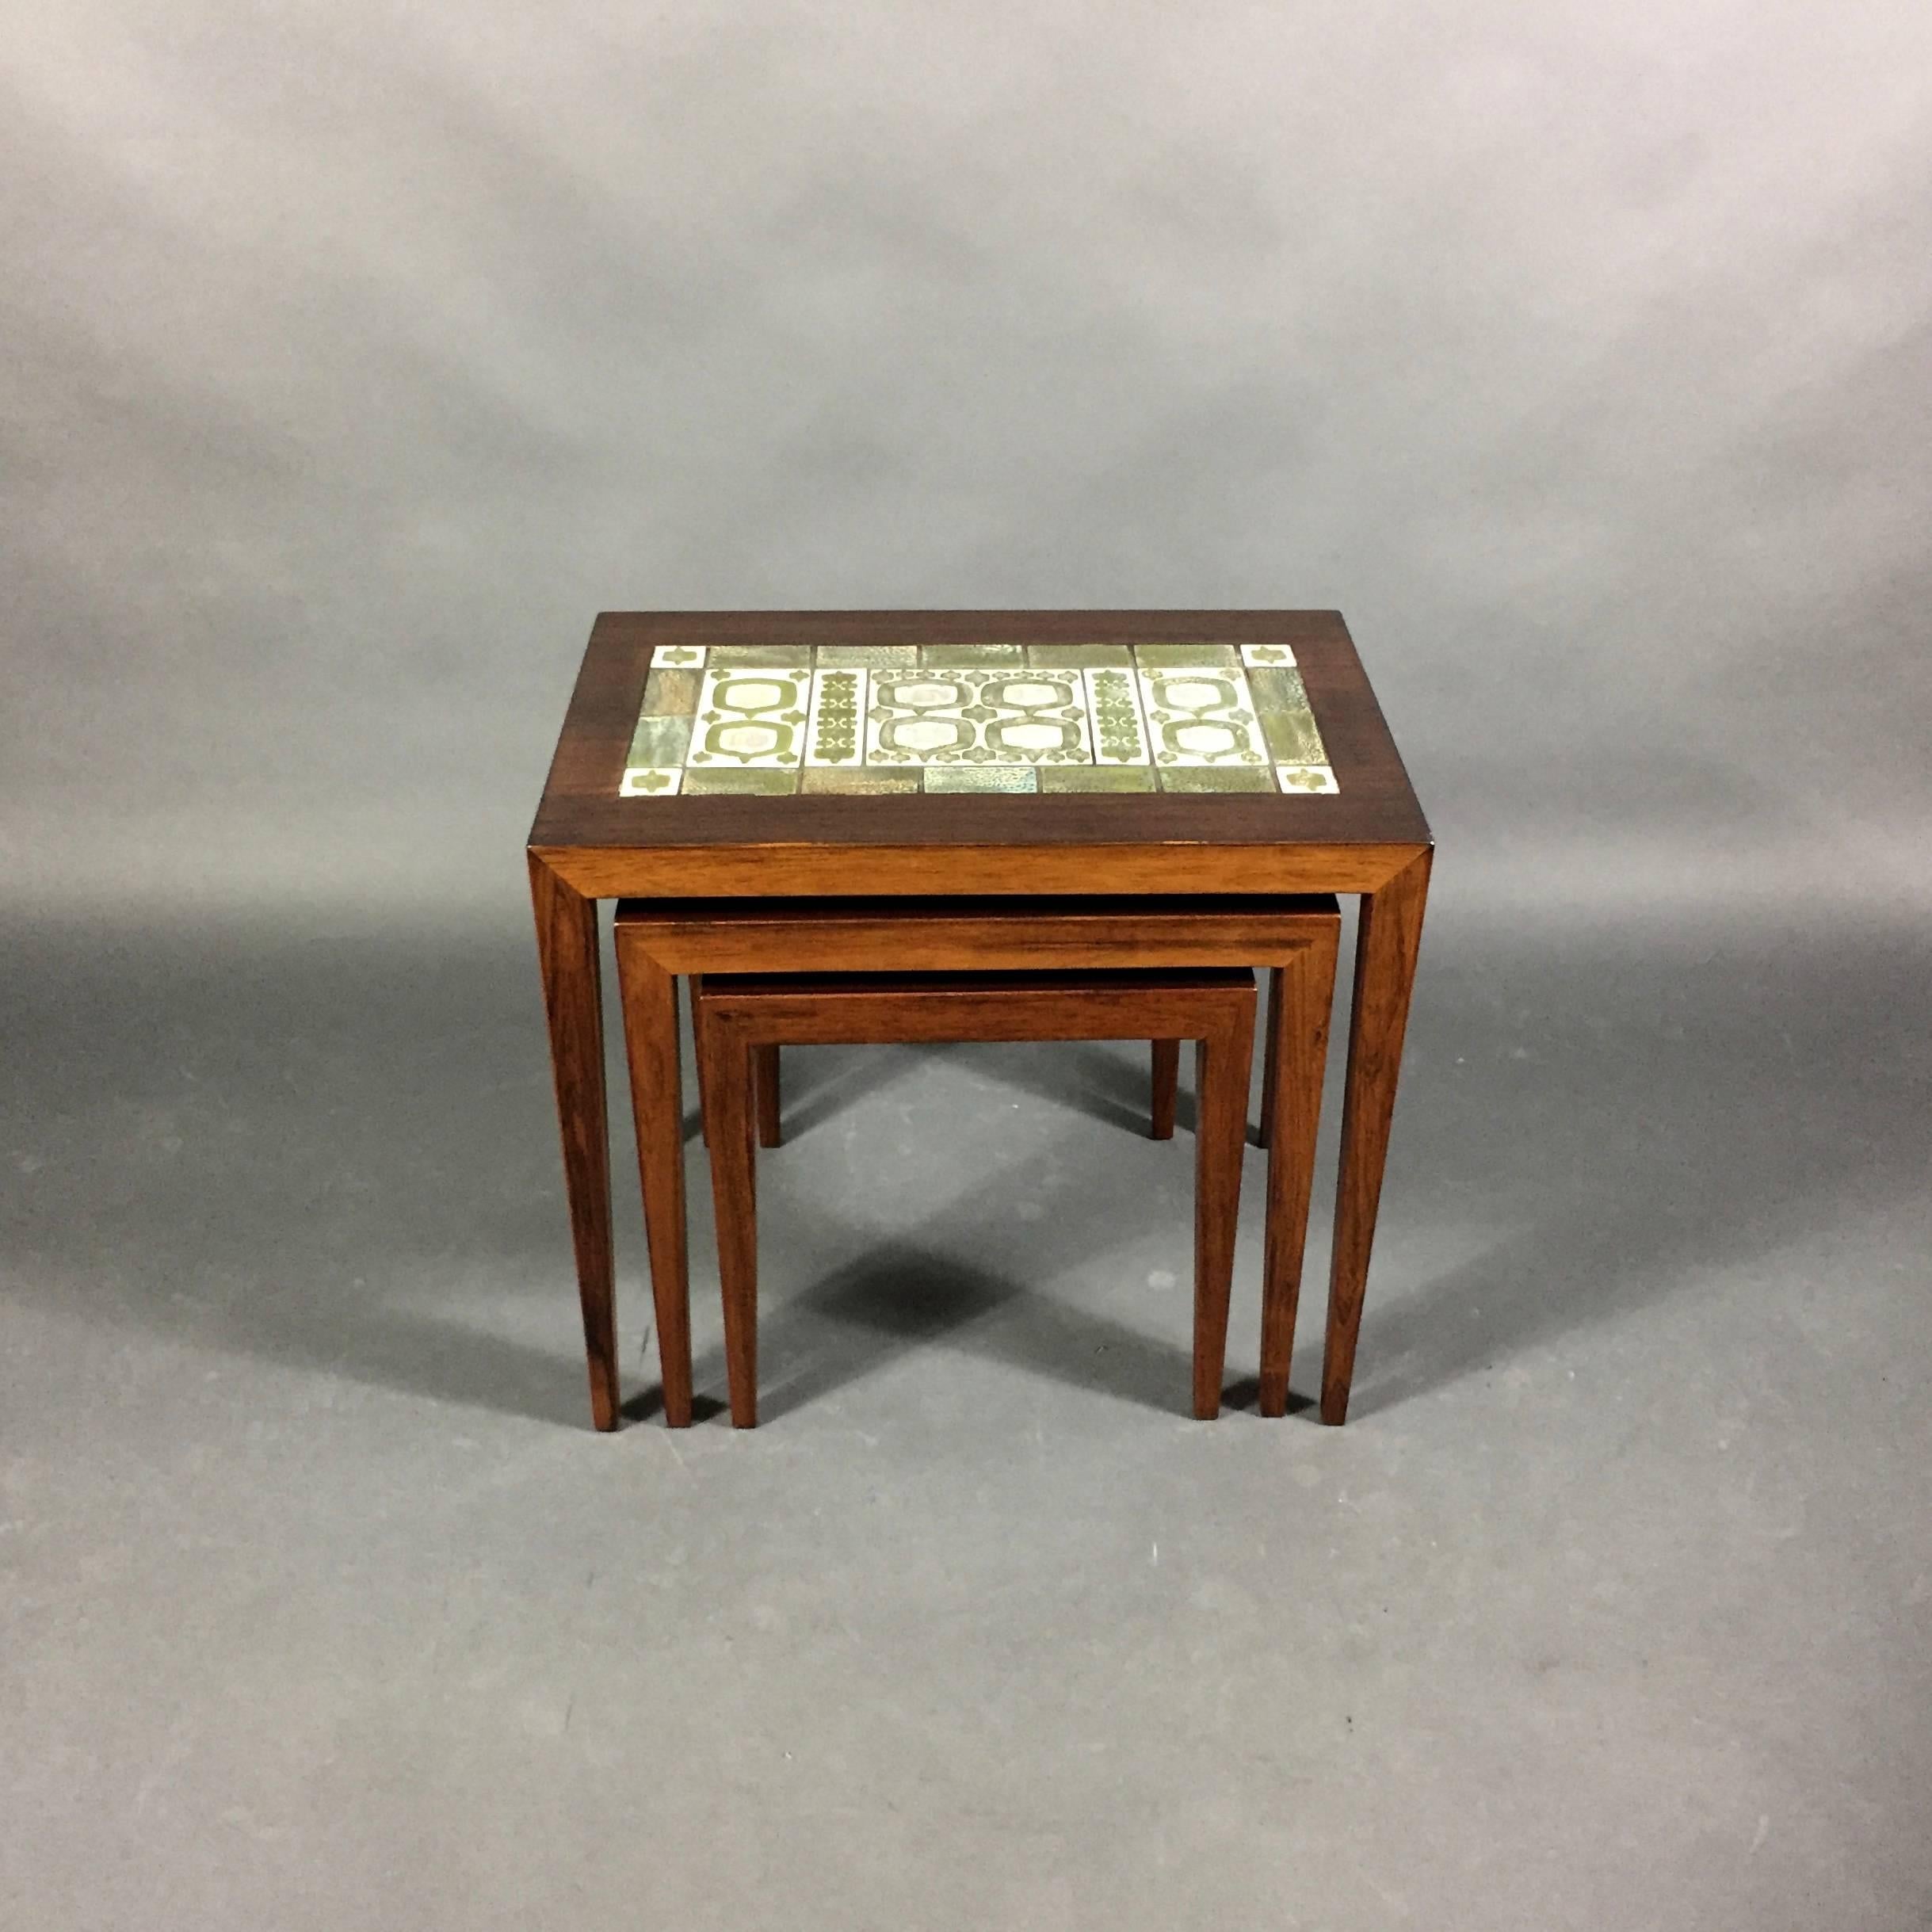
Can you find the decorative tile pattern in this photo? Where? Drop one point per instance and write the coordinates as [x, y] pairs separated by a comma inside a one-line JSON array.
[[836, 735], [1263, 657], [750, 717], [972, 716], [876, 720], [1305, 778], [649, 782], [1202, 715]]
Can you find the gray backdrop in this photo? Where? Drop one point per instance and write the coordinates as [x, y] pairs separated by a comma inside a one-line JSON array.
[[355, 357]]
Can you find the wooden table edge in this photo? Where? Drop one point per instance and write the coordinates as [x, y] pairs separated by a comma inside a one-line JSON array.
[[1130, 867]]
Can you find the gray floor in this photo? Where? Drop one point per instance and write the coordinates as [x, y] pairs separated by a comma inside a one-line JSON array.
[[322, 1607]]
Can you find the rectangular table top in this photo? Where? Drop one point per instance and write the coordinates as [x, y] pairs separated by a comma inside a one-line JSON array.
[[799, 735]]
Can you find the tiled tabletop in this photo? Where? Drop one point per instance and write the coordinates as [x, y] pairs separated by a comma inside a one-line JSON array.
[[1050, 718]]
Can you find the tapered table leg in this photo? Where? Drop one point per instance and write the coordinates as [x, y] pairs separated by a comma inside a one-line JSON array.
[[1222, 1065], [1270, 1069], [1387, 937], [734, 1158], [1166, 1091], [765, 1076], [566, 951], [650, 995], [1299, 998]]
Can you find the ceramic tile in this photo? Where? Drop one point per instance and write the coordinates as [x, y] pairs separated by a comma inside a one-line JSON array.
[[650, 781], [1167, 657], [673, 693], [1061, 657], [1287, 721], [836, 733], [659, 742], [763, 779], [1097, 778], [831, 656], [981, 778], [1201, 716], [1113, 703], [967, 714], [858, 779], [768, 657], [750, 718], [1305, 778], [860, 719], [1215, 778]]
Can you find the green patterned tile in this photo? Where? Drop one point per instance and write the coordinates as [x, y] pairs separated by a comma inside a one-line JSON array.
[[771, 656], [1070, 656], [834, 656], [961, 655], [659, 741], [1097, 778], [1286, 719], [672, 694], [857, 780], [763, 782], [836, 733], [1163, 657], [1215, 778], [981, 778], [1120, 723], [1293, 739]]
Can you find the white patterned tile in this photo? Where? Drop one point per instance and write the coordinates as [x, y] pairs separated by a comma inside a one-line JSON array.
[[1268, 657], [650, 781], [749, 718], [680, 657], [1202, 717], [1305, 778], [943, 714]]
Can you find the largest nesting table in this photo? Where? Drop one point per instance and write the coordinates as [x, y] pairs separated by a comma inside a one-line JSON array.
[[941, 755]]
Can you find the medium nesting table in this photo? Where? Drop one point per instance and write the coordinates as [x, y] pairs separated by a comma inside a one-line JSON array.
[[960, 754]]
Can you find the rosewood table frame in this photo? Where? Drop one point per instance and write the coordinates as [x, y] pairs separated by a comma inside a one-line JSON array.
[[661, 941], [1213, 1007], [587, 844]]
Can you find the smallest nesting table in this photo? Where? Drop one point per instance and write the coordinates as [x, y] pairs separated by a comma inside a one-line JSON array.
[[975, 755], [738, 1014]]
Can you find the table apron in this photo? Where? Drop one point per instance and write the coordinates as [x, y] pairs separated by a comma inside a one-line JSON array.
[[937, 871]]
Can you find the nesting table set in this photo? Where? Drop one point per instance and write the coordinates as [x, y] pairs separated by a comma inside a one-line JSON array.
[[976, 825]]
